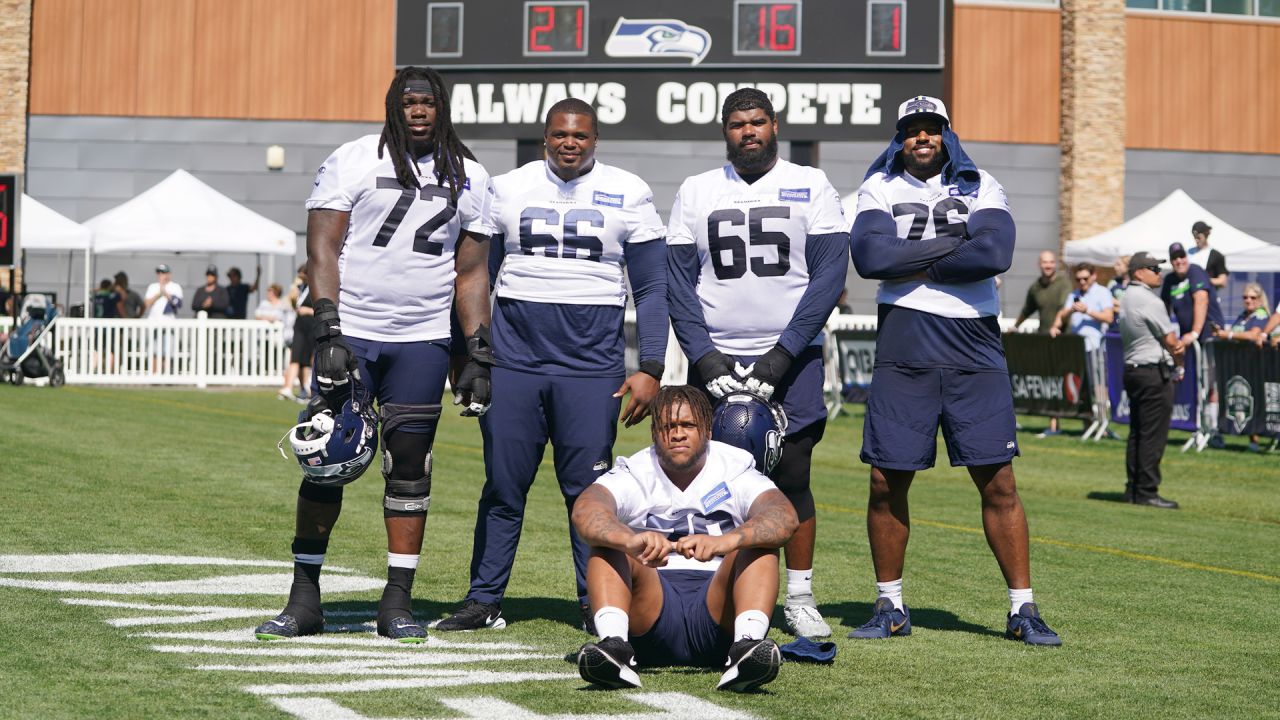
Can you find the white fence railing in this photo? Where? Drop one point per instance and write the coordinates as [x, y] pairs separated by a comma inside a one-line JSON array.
[[196, 352]]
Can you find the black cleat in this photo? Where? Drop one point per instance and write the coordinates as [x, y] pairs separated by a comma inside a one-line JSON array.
[[609, 663], [284, 626], [402, 628], [751, 663], [588, 619], [473, 615]]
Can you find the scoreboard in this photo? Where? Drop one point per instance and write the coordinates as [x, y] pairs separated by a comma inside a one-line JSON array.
[[834, 69]]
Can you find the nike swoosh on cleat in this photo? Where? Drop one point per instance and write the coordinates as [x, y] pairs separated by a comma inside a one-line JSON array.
[[1017, 632], [895, 627]]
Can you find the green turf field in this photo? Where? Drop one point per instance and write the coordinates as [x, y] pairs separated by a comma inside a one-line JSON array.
[[1163, 614]]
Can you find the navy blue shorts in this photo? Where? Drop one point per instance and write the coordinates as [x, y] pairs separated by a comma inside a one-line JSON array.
[[410, 373], [684, 633], [906, 405]]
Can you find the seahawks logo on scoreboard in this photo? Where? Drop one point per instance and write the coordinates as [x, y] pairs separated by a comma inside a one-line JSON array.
[[658, 38]]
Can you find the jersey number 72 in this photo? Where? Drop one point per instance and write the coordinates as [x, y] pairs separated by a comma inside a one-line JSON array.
[[422, 236]]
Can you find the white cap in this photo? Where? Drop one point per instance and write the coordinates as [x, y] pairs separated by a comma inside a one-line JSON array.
[[922, 105]]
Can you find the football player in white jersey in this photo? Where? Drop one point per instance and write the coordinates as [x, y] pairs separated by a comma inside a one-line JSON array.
[[684, 540], [757, 258], [567, 227], [397, 227], [936, 231]]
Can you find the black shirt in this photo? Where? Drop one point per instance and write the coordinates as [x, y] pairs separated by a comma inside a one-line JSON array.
[[238, 301]]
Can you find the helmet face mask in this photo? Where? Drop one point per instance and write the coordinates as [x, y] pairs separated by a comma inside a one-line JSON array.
[[753, 424], [335, 446]]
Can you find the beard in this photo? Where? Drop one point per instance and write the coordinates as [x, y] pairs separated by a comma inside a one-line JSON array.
[[753, 161], [927, 169]]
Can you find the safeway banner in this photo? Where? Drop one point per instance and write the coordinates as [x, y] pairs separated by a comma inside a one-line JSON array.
[[1048, 375]]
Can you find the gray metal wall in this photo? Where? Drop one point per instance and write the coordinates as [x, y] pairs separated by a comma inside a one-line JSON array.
[[82, 166]]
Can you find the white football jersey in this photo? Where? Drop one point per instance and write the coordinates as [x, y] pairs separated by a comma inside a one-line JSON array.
[[564, 240], [751, 245], [396, 267], [717, 501], [925, 209]]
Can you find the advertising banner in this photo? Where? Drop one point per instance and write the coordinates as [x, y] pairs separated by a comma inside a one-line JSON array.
[[1048, 375], [1249, 383], [1185, 400], [857, 359]]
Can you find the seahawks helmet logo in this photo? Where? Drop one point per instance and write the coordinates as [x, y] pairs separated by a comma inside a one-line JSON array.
[[658, 38]]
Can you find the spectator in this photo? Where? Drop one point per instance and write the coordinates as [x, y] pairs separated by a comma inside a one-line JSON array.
[[302, 346], [1120, 282], [130, 302], [238, 293], [1193, 300], [163, 299], [210, 297], [1150, 347], [1087, 311], [1046, 296], [106, 301], [1249, 328], [1206, 257], [274, 307], [1272, 331]]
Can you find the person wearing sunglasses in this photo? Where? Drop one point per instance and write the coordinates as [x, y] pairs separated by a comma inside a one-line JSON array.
[[1250, 326]]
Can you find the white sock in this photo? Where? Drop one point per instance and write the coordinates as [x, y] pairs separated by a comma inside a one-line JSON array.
[[891, 590], [1017, 598], [400, 560], [750, 625], [612, 622], [309, 558], [799, 582]]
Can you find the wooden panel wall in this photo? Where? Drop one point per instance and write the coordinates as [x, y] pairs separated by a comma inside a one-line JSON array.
[[267, 59], [1193, 83], [1204, 84], [1005, 74]]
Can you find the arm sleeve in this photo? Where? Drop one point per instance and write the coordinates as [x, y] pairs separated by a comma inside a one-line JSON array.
[[987, 253], [824, 254], [683, 269], [647, 273], [879, 254], [682, 298]]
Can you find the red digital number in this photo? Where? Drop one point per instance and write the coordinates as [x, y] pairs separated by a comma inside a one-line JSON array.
[[896, 16], [4, 220], [535, 30], [578, 36], [772, 30]]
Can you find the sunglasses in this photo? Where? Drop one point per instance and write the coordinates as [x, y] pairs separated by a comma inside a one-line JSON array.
[[1083, 279], [1251, 297]]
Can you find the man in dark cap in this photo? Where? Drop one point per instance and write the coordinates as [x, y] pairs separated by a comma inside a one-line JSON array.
[[238, 293], [1150, 348], [1193, 300], [210, 297]]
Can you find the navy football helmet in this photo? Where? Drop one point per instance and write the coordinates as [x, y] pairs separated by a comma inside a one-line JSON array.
[[334, 447], [752, 423]]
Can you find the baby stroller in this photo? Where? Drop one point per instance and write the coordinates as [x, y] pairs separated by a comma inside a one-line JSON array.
[[26, 354]]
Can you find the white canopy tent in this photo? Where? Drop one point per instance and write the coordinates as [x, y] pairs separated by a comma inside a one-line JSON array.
[[1170, 221], [182, 214], [44, 230]]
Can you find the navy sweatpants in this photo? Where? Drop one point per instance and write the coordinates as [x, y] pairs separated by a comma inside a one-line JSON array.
[[579, 415]]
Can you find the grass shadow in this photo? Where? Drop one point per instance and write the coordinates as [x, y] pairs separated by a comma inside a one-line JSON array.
[[853, 614], [1108, 496]]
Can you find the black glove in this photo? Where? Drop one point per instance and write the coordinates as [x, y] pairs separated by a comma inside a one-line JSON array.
[[716, 370], [473, 386], [765, 373], [334, 361]]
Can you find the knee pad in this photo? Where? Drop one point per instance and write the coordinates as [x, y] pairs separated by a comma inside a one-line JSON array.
[[406, 457]]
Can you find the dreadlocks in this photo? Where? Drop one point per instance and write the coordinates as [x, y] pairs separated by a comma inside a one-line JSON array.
[[668, 401], [448, 151]]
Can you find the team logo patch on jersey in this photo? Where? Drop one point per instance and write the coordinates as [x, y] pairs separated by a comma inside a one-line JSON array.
[[603, 198], [718, 495], [793, 194], [953, 192], [656, 38]]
